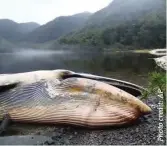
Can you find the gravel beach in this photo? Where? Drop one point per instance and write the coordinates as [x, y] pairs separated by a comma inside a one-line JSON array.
[[144, 132]]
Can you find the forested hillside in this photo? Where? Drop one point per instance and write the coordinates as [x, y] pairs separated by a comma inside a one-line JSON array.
[[122, 24], [28, 27], [12, 31], [58, 27], [131, 23]]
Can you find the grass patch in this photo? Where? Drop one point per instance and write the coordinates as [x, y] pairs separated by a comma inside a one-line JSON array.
[[157, 87]]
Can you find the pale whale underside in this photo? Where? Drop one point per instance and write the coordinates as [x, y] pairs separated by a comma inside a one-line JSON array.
[[76, 101]]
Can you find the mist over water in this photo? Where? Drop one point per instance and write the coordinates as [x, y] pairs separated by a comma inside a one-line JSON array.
[[126, 66], [37, 53]]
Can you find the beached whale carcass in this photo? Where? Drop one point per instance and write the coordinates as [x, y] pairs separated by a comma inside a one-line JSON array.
[[63, 96]]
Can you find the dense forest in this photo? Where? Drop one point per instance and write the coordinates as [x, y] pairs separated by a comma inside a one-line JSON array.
[[122, 24], [130, 23]]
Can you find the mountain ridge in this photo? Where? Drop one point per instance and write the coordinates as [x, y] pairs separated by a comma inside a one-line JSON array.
[[57, 27], [13, 31], [121, 23]]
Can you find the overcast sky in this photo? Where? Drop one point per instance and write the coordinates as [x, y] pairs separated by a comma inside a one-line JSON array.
[[42, 11]]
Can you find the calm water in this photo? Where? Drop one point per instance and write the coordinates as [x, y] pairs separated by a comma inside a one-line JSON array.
[[132, 67]]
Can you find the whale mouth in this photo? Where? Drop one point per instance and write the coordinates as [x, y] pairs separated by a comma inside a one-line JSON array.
[[133, 89]]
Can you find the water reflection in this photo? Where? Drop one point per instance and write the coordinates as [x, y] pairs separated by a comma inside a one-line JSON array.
[[127, 66]]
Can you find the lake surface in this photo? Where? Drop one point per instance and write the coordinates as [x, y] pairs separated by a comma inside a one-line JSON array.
[[132, 67]]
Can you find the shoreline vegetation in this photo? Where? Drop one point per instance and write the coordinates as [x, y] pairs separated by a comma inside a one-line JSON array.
[[157, 78]]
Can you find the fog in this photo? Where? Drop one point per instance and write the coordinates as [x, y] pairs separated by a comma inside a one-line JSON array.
[[31, 53]]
